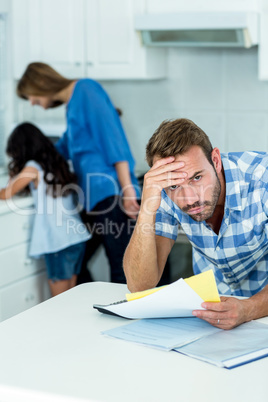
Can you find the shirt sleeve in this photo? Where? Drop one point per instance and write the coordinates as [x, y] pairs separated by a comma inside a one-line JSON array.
[[259, 179], [62, 146], [166, 224], [265, 201], [33, 164]]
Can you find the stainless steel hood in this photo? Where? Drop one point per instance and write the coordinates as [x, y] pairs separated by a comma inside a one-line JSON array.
[[200, 29]]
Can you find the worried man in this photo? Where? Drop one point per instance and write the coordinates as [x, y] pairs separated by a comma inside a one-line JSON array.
[[221, 203]]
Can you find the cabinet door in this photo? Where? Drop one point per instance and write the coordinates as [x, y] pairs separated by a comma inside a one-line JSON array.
[[22, 295], [114, 48], [15, 264], [51, 31], [15, 228], [94, 38], [21, 36]]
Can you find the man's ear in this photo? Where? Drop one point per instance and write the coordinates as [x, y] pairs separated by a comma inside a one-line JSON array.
[[216, 159]]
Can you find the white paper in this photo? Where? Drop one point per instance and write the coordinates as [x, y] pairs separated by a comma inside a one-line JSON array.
[[240, 345], [176, 300], [164, 333]]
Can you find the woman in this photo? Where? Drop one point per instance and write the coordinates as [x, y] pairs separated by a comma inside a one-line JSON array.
[[97, 146]]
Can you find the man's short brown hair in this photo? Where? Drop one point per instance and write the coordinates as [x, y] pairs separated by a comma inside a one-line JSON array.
[[175, 137]]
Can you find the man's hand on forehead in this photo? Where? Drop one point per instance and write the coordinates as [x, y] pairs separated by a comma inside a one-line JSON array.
[[165, 172], [168, 164], [169, 169]]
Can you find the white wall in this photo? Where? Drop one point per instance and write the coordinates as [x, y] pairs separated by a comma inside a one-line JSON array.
[[218, 89], [6, 79]]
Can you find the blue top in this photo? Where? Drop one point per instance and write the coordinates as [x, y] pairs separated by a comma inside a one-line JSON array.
[[239, 253], [57, 224], [94, 141]]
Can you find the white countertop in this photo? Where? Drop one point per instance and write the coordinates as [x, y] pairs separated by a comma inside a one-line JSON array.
[[16, 202], [55, 352]]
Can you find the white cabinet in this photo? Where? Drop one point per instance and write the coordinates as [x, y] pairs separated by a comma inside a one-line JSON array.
[[20, 296], [79, 38], [113, 47], [50, 31], [23, 281]]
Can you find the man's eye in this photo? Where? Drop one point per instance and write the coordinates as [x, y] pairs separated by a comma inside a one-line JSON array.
[[197, 178], [172, 188]]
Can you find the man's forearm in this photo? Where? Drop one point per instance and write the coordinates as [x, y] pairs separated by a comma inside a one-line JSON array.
[[257, 306], [140, 260], [147, 253]]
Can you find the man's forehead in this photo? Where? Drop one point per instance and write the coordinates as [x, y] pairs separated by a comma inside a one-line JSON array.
[[193, 157]]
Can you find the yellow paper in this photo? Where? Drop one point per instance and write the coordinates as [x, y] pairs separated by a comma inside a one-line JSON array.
[[203, 284], [139, 295]]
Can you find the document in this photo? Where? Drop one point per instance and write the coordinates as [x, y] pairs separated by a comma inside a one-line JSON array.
[[167, 323], [232, 348], [178, 299], [198, 339], [163, 333]]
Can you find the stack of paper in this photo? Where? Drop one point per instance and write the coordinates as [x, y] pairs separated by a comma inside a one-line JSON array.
[[230, 349], [161, 328], [196, 338], [176, 300], [163, 333]]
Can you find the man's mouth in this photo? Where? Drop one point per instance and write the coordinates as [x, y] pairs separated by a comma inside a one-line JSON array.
[[197, 210]]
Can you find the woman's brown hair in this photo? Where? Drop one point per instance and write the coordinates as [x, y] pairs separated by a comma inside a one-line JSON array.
[[175, 137], [39, 79]]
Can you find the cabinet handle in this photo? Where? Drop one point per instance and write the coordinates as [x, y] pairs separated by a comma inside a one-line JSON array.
[[29, 261]]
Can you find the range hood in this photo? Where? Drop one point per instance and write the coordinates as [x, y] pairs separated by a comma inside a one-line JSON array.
[[204, 29]]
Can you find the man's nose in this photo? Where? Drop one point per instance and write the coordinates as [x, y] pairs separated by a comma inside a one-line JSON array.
[[189, 195]]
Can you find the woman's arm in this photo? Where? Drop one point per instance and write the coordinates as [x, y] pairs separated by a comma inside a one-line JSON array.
[[62, 147], [130, 204], [19, 182]]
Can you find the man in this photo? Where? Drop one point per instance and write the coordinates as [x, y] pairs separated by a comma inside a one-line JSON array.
[[221, 202]]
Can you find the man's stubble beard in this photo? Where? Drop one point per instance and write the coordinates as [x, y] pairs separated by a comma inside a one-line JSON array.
[[211, 204]]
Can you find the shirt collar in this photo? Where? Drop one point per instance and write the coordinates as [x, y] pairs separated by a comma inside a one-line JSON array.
[[232, 175]]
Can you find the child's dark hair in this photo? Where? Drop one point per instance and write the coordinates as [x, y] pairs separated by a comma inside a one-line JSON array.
[[27, 143]]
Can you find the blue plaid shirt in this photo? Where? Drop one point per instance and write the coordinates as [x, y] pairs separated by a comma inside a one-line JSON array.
[[238, 255]]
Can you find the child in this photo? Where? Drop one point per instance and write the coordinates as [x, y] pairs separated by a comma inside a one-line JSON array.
[[58, 232]]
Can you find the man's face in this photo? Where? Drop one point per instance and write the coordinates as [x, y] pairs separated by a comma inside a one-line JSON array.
[[199, 193]]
